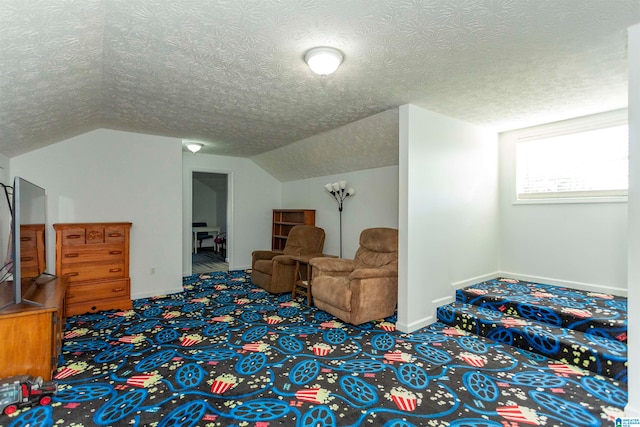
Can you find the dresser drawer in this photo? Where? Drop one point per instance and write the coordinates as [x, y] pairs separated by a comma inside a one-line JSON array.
[[92, 253], [97, 291], [28, 272], [28, 257], [92, 271], [109, 234], [27, 238], [98, 305], [29, 262], [114, 234], [92, 235], [73, 236]]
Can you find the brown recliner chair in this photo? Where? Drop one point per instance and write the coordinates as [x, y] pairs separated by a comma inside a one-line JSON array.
[[274, 270], [365, 288]]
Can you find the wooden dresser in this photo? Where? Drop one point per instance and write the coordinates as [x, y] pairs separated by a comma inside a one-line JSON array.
[[32, 335], [95, 257], [32, 251]]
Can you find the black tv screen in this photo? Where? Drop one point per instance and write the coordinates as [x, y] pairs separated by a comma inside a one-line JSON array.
[[28, 228]]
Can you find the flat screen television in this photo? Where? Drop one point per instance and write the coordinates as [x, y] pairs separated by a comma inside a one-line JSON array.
[[28, 228]]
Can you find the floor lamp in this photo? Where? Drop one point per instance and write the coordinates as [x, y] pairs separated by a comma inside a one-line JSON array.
[[339, 191]]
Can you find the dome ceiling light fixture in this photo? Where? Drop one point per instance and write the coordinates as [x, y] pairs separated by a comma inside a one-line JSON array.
[[323, 60], [194, 147]]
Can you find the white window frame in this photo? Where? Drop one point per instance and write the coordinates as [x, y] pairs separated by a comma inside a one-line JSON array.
[[567, 127]]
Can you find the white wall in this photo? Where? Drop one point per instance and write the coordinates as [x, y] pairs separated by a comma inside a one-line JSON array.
[[448, 211], [205, 203], [5, 214], [5, 169], [205, 207], [107, 175], [222, 196], [582, 245], [254, 193], [375, 204], [633, 347]]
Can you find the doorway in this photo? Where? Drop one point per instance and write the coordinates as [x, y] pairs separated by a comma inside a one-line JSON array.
[[210, 199]]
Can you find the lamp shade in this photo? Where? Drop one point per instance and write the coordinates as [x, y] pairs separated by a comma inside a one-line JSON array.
[[323, 60]]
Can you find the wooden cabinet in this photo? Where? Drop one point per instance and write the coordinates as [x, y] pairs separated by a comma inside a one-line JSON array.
[[32, 335], [284, 220], [95, 257]]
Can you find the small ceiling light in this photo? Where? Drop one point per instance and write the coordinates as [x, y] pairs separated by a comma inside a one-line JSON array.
[[194, 147], [323, 60]]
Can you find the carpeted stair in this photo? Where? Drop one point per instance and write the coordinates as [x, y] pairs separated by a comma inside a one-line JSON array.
[[579, 328]]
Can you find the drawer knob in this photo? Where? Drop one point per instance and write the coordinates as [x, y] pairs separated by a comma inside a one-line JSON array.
[[26, 258], [115, 252], [114, 270], [74, 255], [117, 289], [115, 235], [73, 236], [73, 273], [25, 239]]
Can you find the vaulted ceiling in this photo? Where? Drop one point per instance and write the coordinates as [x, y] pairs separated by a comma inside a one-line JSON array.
[[231, 73]]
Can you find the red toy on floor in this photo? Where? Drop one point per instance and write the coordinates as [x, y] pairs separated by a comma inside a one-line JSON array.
[[25, 390]]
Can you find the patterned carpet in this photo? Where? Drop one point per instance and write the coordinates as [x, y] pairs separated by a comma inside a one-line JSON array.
[[225, 353], [586, 329]]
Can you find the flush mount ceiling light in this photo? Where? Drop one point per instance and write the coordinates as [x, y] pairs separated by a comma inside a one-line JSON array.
[[323, 60], [194, 147]]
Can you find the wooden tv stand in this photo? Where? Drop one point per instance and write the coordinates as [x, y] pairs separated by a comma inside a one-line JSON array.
[[30, 335]]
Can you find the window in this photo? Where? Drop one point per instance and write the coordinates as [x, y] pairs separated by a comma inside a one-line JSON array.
[[588, 162]]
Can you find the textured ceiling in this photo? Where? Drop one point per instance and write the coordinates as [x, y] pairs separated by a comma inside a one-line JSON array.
[[230, 73], [368, 143]]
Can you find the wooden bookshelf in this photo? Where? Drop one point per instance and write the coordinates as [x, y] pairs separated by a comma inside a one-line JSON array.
[[284, 220]]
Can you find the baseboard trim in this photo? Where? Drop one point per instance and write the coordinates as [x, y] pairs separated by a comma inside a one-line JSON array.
[[156, 293], [589, 287], [473, 280], [442, 301], [414, 326]]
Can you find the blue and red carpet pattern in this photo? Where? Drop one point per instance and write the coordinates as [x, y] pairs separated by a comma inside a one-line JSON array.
[[594, 312], [225, 353], [585, 329]]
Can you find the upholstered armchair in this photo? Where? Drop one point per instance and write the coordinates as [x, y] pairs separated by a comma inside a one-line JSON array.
[[274, 270], [365, 288]]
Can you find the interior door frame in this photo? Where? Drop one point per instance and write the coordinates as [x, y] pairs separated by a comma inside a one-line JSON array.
[[188, 214]]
